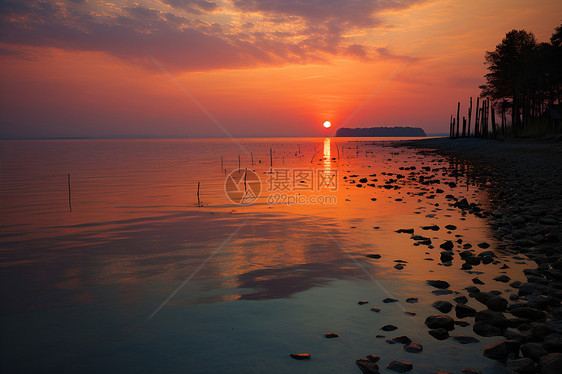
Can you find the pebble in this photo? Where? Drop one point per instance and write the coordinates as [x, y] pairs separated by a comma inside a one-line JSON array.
[[442, 306], [387, 300], [438, 284], [440, 321], [413, 347], [463, 339], [375, 309], [367, 367], [300, 356], [399, 366], [331, 335], [439, 333], [362, 302], [389, 328], [412, 300]]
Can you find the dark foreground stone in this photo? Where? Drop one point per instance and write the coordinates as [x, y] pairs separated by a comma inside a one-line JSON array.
[[399, 366]]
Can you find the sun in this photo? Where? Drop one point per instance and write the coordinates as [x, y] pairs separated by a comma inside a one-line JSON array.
[[327, 124]]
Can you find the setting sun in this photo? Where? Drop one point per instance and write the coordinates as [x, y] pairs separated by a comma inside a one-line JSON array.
[[327, 124]]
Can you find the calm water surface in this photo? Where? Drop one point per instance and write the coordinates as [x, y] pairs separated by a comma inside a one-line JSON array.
[[134, 274]]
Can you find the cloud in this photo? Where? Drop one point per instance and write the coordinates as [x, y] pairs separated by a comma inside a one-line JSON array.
[[283, 32], [193, 6]]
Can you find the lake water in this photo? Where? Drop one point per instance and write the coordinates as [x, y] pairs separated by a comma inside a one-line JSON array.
[[132, 272]]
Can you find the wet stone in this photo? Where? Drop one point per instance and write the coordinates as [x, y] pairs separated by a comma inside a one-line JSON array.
[[439, 334], [375, 309], [462, 311], [389, 328], [413, 347], [331, 335], [438, 284], [402, 339], [412, 300], [400, 366], [440, 321], [362, 302], [442, 306], [389, 300], [300, 356], [367, 367], [464, 339]]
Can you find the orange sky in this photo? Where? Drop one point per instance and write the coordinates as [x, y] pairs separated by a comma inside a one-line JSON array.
[[82, 68]]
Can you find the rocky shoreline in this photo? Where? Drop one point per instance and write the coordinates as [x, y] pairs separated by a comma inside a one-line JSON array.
[[524, 180]]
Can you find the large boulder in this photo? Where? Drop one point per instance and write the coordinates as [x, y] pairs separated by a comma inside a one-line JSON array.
[[528, 313], [399, 366], [522, 365], [533, 350], [490, 317]]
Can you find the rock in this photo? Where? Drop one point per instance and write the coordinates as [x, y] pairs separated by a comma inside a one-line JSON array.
[[375, 309], [461, 299], [432, 227], [402, 339], [439, 334], [484, 245], [473, 260], [405, 231], [496, 319], [448, 245], [462, 323], [553, 343], [497, 304], [373, 358], [533, 350], [446, 256], [442, 306], [462, 311], [440, 321], [470, 371], [522, 365], [464, 339], [528, 313], [331, 335], [413, 347], [387, 300], [486, 254], [438, 284], [502, 350], [389, 328], [399, 266], [532, 289], [502, 278], [399, 366], [362, 302], [412, 300], [551, 363], [516, 284], [485, 329], [374, 255], [410, 313], [472, 289], [367, 367], [477, 281], [300, 356], [451, 227]]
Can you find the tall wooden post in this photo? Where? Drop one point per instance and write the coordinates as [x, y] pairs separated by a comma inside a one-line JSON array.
[[493, 114], [463, 126], [451, 127], [458, 120], [469, 116], [477, 118]]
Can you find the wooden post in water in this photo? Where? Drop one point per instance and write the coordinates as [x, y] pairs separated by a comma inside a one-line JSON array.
[[198, 200], [245, 172], [477, 118], [458, 118], [252, 156], [222, 165], [69, 194], [451, 128], [270, 158], [238, 162], [469, 117], [463, 126]]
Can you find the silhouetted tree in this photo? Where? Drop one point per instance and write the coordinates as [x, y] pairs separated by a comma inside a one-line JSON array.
[[525, 76]]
